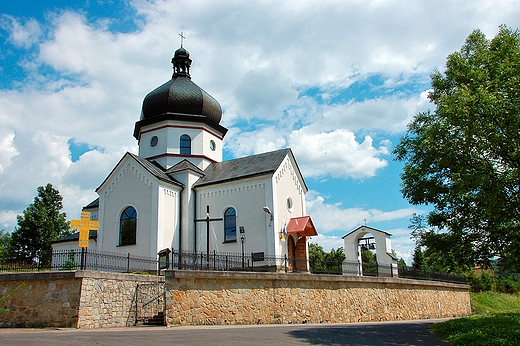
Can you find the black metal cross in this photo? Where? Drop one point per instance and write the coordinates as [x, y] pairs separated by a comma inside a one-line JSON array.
[[208, 219], [182, 37]]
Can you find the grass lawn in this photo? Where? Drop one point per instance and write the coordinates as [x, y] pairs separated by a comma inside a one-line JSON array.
[[495, 321]]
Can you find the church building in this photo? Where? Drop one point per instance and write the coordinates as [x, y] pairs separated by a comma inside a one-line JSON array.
[[166, 196]]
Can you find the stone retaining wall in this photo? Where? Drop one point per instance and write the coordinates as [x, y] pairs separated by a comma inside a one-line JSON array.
[[203, 298], [45, 300], [90, 299], [78, 299]]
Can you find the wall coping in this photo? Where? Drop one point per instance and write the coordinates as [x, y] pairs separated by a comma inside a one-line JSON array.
[[207, 274], [79, 274]]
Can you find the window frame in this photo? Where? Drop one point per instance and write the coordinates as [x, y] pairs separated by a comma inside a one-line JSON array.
[[128, 236], [230, 225], [185, 145]]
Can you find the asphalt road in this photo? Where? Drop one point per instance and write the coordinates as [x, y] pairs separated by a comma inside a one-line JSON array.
[[380, 334]]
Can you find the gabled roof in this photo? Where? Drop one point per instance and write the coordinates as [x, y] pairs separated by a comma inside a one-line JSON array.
[[368, 229], [245, 167], [75, 237], [302, 226], [152, 167], [93, 204], [184, 165]]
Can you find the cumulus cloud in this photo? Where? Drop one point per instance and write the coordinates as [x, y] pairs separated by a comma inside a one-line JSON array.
[[21, 33], [263, 94], [336, 153], [334, 217], [7, 150]]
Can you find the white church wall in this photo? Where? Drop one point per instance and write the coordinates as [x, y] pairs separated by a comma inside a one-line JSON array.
[[248, 198], [168, 220], [187, 213], [289, 200], [145, 143], [130, 185], [73, 245]]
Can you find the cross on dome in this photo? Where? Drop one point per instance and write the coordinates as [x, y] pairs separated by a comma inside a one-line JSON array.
[[182, 37]]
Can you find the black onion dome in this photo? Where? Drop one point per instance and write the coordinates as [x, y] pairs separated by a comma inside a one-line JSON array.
[[180, 95]]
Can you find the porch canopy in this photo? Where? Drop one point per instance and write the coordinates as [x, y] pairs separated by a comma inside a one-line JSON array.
[[302, 226]]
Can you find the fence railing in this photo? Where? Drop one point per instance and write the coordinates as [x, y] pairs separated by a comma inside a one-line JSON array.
[[83, 259]]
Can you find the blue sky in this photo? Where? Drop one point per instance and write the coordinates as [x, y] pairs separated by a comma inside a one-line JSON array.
[[336, 81]]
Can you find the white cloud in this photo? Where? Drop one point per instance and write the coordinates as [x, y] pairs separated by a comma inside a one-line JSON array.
[[264, 94], [7, 150], [336, 153], [21, 34]]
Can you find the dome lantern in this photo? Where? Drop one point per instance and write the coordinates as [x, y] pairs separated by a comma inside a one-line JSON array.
[[180, 96]]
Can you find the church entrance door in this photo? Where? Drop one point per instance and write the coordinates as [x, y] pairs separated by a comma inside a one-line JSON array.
[[301, 254]]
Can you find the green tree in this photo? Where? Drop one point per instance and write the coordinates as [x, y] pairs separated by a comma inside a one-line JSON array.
[[418, 258], [463, 158], [5, 245], [41, 223], [368, 257], [323, 262]]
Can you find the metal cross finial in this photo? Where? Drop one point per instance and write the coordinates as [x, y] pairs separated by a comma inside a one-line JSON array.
[[182, 37], [365, 219]]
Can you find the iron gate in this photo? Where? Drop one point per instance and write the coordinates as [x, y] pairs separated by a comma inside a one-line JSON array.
[[150, 304]]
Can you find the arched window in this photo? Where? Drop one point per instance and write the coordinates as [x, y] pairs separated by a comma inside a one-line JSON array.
[[185, 145], [128, 226], [230, 225]]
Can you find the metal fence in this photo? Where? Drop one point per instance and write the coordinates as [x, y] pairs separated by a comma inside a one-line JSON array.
[[83, 259], [255, 261]]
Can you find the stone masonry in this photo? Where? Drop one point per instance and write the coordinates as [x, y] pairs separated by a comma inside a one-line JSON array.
[[78, 299], [91, 299], [209, 298]]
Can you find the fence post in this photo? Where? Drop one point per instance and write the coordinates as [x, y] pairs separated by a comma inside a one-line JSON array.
[[82, 259], [128, 263], [285, 262]]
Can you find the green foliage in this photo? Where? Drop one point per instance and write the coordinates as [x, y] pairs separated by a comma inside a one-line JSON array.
[[494, 303], [480, 283], [70, 262], [368, 257], [5, 245], [401, 263], [496, 321], [418, 258], [464, 157], [322, 262], [486, 282], [41, 223], [442, 253], [481, 330]]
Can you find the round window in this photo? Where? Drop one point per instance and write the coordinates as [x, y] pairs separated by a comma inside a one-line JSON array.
[[212, 145], [289, 204], [154, 141]]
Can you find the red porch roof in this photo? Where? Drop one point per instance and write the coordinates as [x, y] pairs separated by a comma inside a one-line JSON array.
[[302, 226]]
